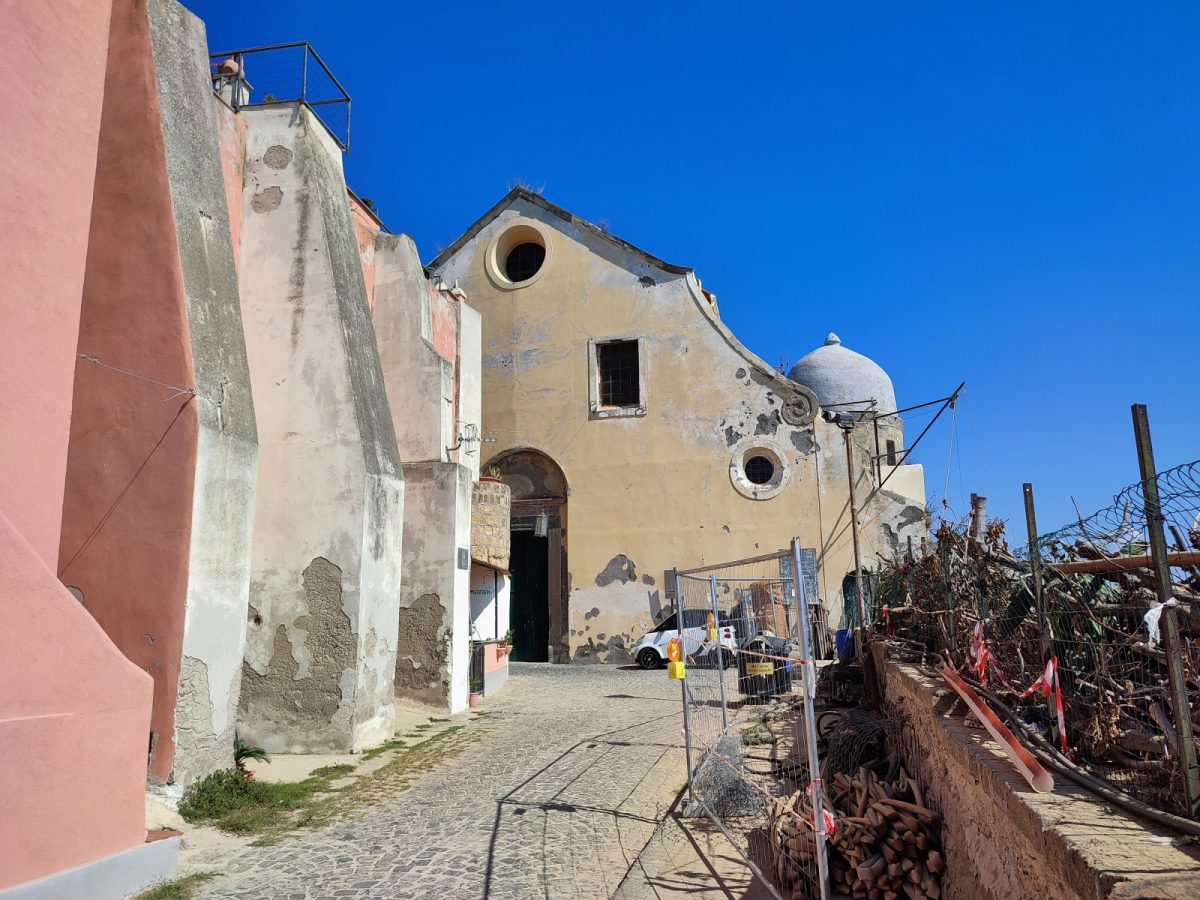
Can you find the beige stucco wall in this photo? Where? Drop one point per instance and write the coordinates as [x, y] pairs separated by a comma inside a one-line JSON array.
[[654, 488], [325, 580]]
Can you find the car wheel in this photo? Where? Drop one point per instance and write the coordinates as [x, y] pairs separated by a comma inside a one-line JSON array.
[[727, 659], [648, 659]]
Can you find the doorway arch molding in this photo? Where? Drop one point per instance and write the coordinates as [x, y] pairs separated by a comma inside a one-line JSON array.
[[539, 489]]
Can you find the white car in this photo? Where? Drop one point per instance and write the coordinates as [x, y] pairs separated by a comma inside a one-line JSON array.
[[651, 651]]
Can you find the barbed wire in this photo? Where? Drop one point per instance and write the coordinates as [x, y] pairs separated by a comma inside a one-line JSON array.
[[970, 601]]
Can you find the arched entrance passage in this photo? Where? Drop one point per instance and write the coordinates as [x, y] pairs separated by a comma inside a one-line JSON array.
[[538, 564]]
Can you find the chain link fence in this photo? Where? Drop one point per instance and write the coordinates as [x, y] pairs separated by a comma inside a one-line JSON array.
[[746, 633]]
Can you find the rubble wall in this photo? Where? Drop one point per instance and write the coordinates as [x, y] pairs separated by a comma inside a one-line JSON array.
[[491, 505]]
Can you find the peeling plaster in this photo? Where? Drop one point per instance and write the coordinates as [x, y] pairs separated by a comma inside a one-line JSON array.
[[307, 703], [423, 651], [267, 200], [620, 568]]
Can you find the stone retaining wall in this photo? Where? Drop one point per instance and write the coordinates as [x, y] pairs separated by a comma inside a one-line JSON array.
[[1003, 840]]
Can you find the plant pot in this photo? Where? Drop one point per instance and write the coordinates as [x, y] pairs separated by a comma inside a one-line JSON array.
[[490, 478], [473, 699]]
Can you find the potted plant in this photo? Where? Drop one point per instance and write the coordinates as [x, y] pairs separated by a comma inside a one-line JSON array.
[[476, 692], [492, 474], [504, 644]]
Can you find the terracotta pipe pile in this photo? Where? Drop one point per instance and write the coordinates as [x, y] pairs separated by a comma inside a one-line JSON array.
[[887, 843]]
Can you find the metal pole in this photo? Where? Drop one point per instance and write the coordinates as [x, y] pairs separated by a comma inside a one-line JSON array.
[[807, 665], [687, 737], [687, 722], [859, 605], [1162, 578], [878, 461], [720, 654], [1039, 598]]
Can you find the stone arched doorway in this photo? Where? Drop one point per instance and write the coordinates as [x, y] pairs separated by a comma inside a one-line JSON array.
[[538, 562]]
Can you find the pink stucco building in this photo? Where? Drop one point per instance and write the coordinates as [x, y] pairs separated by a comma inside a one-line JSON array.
[[71, 701]]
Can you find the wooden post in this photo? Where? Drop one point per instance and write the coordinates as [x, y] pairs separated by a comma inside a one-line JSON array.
[[1035, 568], [1162, 579], [859, 603]]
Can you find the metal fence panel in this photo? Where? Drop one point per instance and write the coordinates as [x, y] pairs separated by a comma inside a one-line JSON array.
[[747, 635]]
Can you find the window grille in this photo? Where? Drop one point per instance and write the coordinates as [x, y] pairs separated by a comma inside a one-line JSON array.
[[620, 383]]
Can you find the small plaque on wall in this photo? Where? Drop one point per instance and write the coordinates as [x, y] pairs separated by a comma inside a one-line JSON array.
[[464, 558]]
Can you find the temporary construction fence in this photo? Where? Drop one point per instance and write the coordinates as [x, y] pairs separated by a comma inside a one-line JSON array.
[[1072, 632], [748, 682]]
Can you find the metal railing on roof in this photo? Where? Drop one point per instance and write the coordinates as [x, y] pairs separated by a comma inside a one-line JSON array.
[[283, 73]]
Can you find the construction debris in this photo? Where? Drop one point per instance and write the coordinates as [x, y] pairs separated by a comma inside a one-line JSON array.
[[970, 602], [886, 842]]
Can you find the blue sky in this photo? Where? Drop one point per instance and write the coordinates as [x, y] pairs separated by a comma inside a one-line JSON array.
[[985, 192]]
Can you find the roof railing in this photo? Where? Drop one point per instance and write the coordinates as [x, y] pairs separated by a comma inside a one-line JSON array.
[[283, 73]]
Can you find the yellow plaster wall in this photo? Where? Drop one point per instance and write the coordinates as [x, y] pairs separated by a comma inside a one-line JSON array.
[[654, 488]]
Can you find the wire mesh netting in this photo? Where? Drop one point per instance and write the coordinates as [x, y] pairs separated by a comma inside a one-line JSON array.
[[283, 73], [1102, 656], [749, 719]]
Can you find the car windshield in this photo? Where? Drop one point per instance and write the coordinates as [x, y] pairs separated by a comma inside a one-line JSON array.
[[667, 624]]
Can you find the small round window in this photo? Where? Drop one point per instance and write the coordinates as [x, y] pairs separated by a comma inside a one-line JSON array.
[[523, 261], [759, 470]]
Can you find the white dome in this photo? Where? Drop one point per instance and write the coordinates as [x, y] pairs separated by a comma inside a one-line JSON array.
[[838, 375]]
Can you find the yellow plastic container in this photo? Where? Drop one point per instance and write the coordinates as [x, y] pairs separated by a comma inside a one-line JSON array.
[[676, 670]]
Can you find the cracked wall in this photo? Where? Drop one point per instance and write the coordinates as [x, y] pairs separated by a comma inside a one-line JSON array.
[[423, 652]]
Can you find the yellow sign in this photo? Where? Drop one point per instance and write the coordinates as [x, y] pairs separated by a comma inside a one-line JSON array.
[[760, 668], [675, 670]]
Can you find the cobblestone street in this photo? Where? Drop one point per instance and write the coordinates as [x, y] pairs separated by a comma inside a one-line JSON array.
[[564, 783]]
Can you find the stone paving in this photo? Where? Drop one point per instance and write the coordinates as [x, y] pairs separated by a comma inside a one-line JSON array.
[[568, 777]]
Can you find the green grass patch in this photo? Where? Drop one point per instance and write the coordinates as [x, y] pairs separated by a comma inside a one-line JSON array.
[[177, 889], [272, 810], [332, 771], [240, 806], [422, 726], [389, 779], [394, 744]]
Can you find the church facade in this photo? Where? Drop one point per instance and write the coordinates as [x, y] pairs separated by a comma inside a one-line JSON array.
[[638, 434]]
